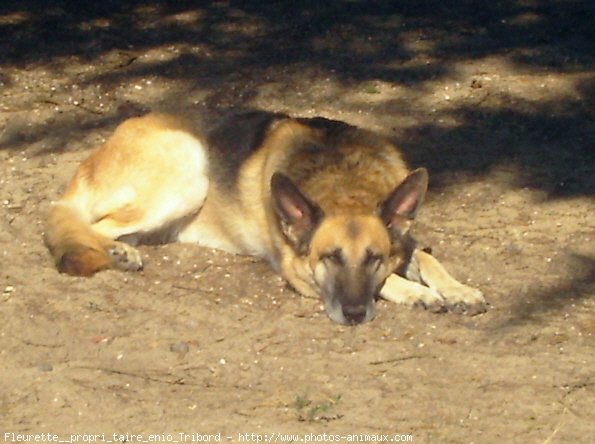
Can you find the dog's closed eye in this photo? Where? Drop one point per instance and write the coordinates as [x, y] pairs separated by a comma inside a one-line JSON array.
[[334, 257], [372, 260]]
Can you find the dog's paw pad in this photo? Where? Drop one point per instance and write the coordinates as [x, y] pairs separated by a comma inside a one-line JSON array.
[[458, 308], [433, 306], [465, 300], [436, 307], [125, 257], [475, 309]]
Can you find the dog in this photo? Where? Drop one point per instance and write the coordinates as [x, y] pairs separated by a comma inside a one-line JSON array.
[[327, 204]]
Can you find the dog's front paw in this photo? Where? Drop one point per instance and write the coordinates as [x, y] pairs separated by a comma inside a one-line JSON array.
[[431, 303], [402, 291], [463, 299], [125, 257]]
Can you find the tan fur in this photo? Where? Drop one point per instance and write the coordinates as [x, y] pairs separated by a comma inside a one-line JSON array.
[[77, 250], [327, 204], [144, 179]]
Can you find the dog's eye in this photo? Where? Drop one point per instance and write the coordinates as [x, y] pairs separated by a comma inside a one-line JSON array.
[[333, 257], [372, 260]]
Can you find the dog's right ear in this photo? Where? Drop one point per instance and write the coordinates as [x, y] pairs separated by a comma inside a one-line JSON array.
[[298, 216]]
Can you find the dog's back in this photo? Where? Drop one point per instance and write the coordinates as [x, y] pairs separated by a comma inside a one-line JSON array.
[[342, 168]]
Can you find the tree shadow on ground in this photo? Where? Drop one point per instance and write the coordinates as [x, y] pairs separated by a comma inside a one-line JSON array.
[[555, 34], [536, 142], [357, 41], [535, 307]]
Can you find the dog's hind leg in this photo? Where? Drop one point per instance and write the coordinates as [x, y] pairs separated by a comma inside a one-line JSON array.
[[143, 185]]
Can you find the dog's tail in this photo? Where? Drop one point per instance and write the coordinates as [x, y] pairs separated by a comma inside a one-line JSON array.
[[76, 248]]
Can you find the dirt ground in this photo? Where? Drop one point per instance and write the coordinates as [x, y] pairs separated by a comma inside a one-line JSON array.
[[495, 98]]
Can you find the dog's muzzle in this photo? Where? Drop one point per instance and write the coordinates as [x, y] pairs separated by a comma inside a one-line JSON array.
[[349, 314]]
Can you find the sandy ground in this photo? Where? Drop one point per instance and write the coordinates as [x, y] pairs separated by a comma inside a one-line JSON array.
[[495, 98]]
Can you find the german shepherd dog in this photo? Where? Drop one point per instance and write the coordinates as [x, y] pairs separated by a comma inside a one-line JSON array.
[[328, 205]]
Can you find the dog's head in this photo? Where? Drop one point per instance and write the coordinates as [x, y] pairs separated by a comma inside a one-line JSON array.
[[347, 257]]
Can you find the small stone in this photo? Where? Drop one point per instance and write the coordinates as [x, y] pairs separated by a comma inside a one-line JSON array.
[[45, 367], [179, 347]]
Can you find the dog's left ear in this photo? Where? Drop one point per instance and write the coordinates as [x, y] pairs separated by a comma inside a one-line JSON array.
[[401, 206], [298, 216]]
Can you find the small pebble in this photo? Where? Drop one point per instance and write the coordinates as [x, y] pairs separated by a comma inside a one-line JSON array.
[[45, 367], [179, 347]]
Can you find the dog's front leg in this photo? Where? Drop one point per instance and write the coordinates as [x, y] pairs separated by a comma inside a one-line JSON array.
[[403, 291], [459, 297]]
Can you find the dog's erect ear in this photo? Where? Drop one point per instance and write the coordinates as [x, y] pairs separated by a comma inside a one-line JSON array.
[[402, 204], [297, 215]]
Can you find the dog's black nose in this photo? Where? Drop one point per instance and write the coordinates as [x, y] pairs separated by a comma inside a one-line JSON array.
[[354, 314]]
